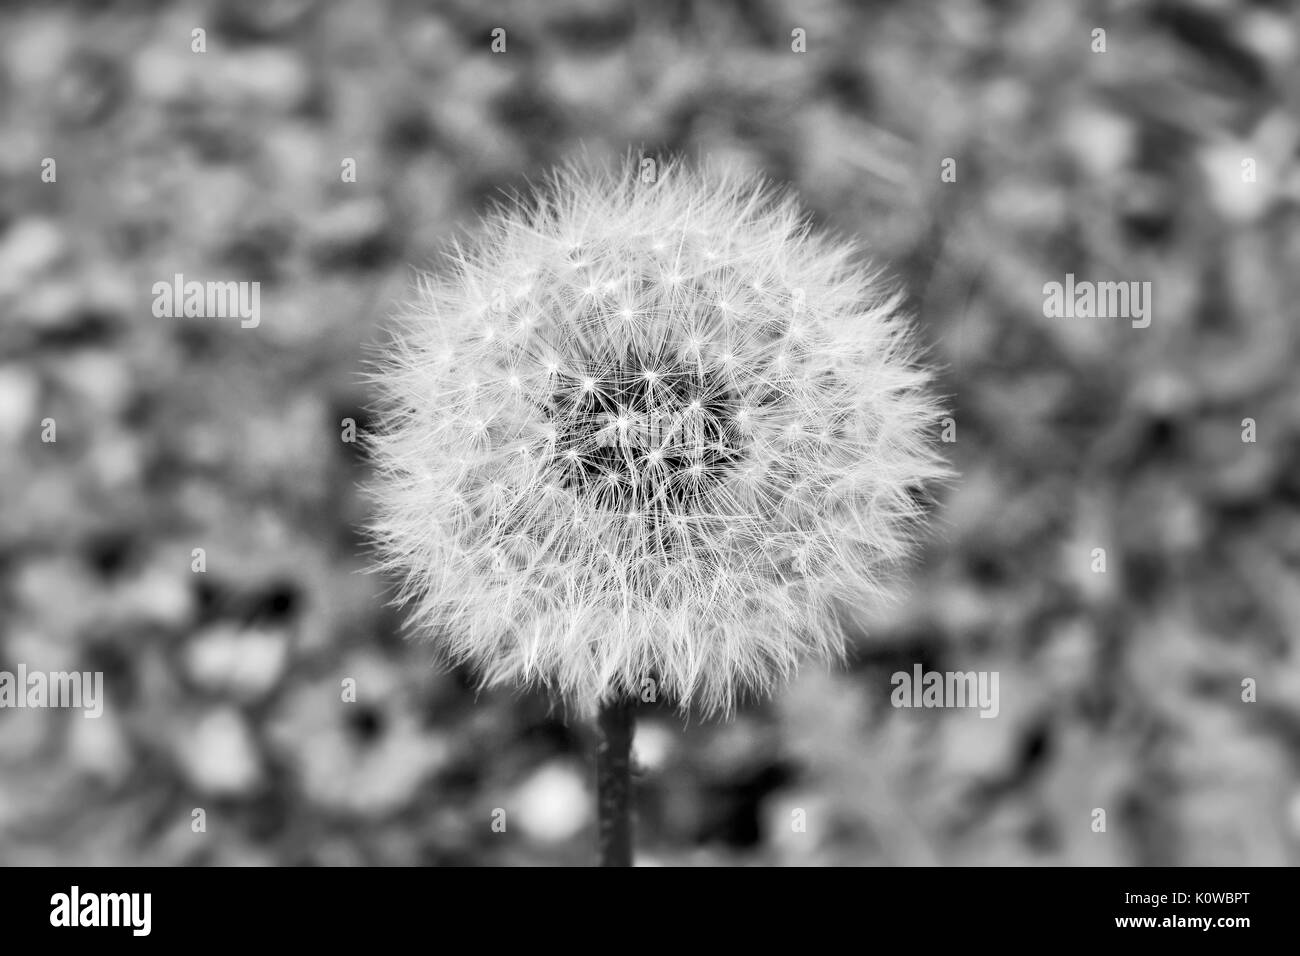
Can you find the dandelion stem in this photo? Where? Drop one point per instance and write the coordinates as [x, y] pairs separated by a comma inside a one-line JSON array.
[[616, 724]]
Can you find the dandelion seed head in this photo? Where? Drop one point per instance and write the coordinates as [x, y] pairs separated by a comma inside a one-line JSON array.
[[658, 473]]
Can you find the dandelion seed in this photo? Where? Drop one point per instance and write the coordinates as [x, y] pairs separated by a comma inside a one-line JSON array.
[[651, 557]]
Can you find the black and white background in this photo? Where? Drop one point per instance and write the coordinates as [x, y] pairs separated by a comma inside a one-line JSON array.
[[1122, 547]]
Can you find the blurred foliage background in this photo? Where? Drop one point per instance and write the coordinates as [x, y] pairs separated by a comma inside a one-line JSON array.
[[1119, 691]]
